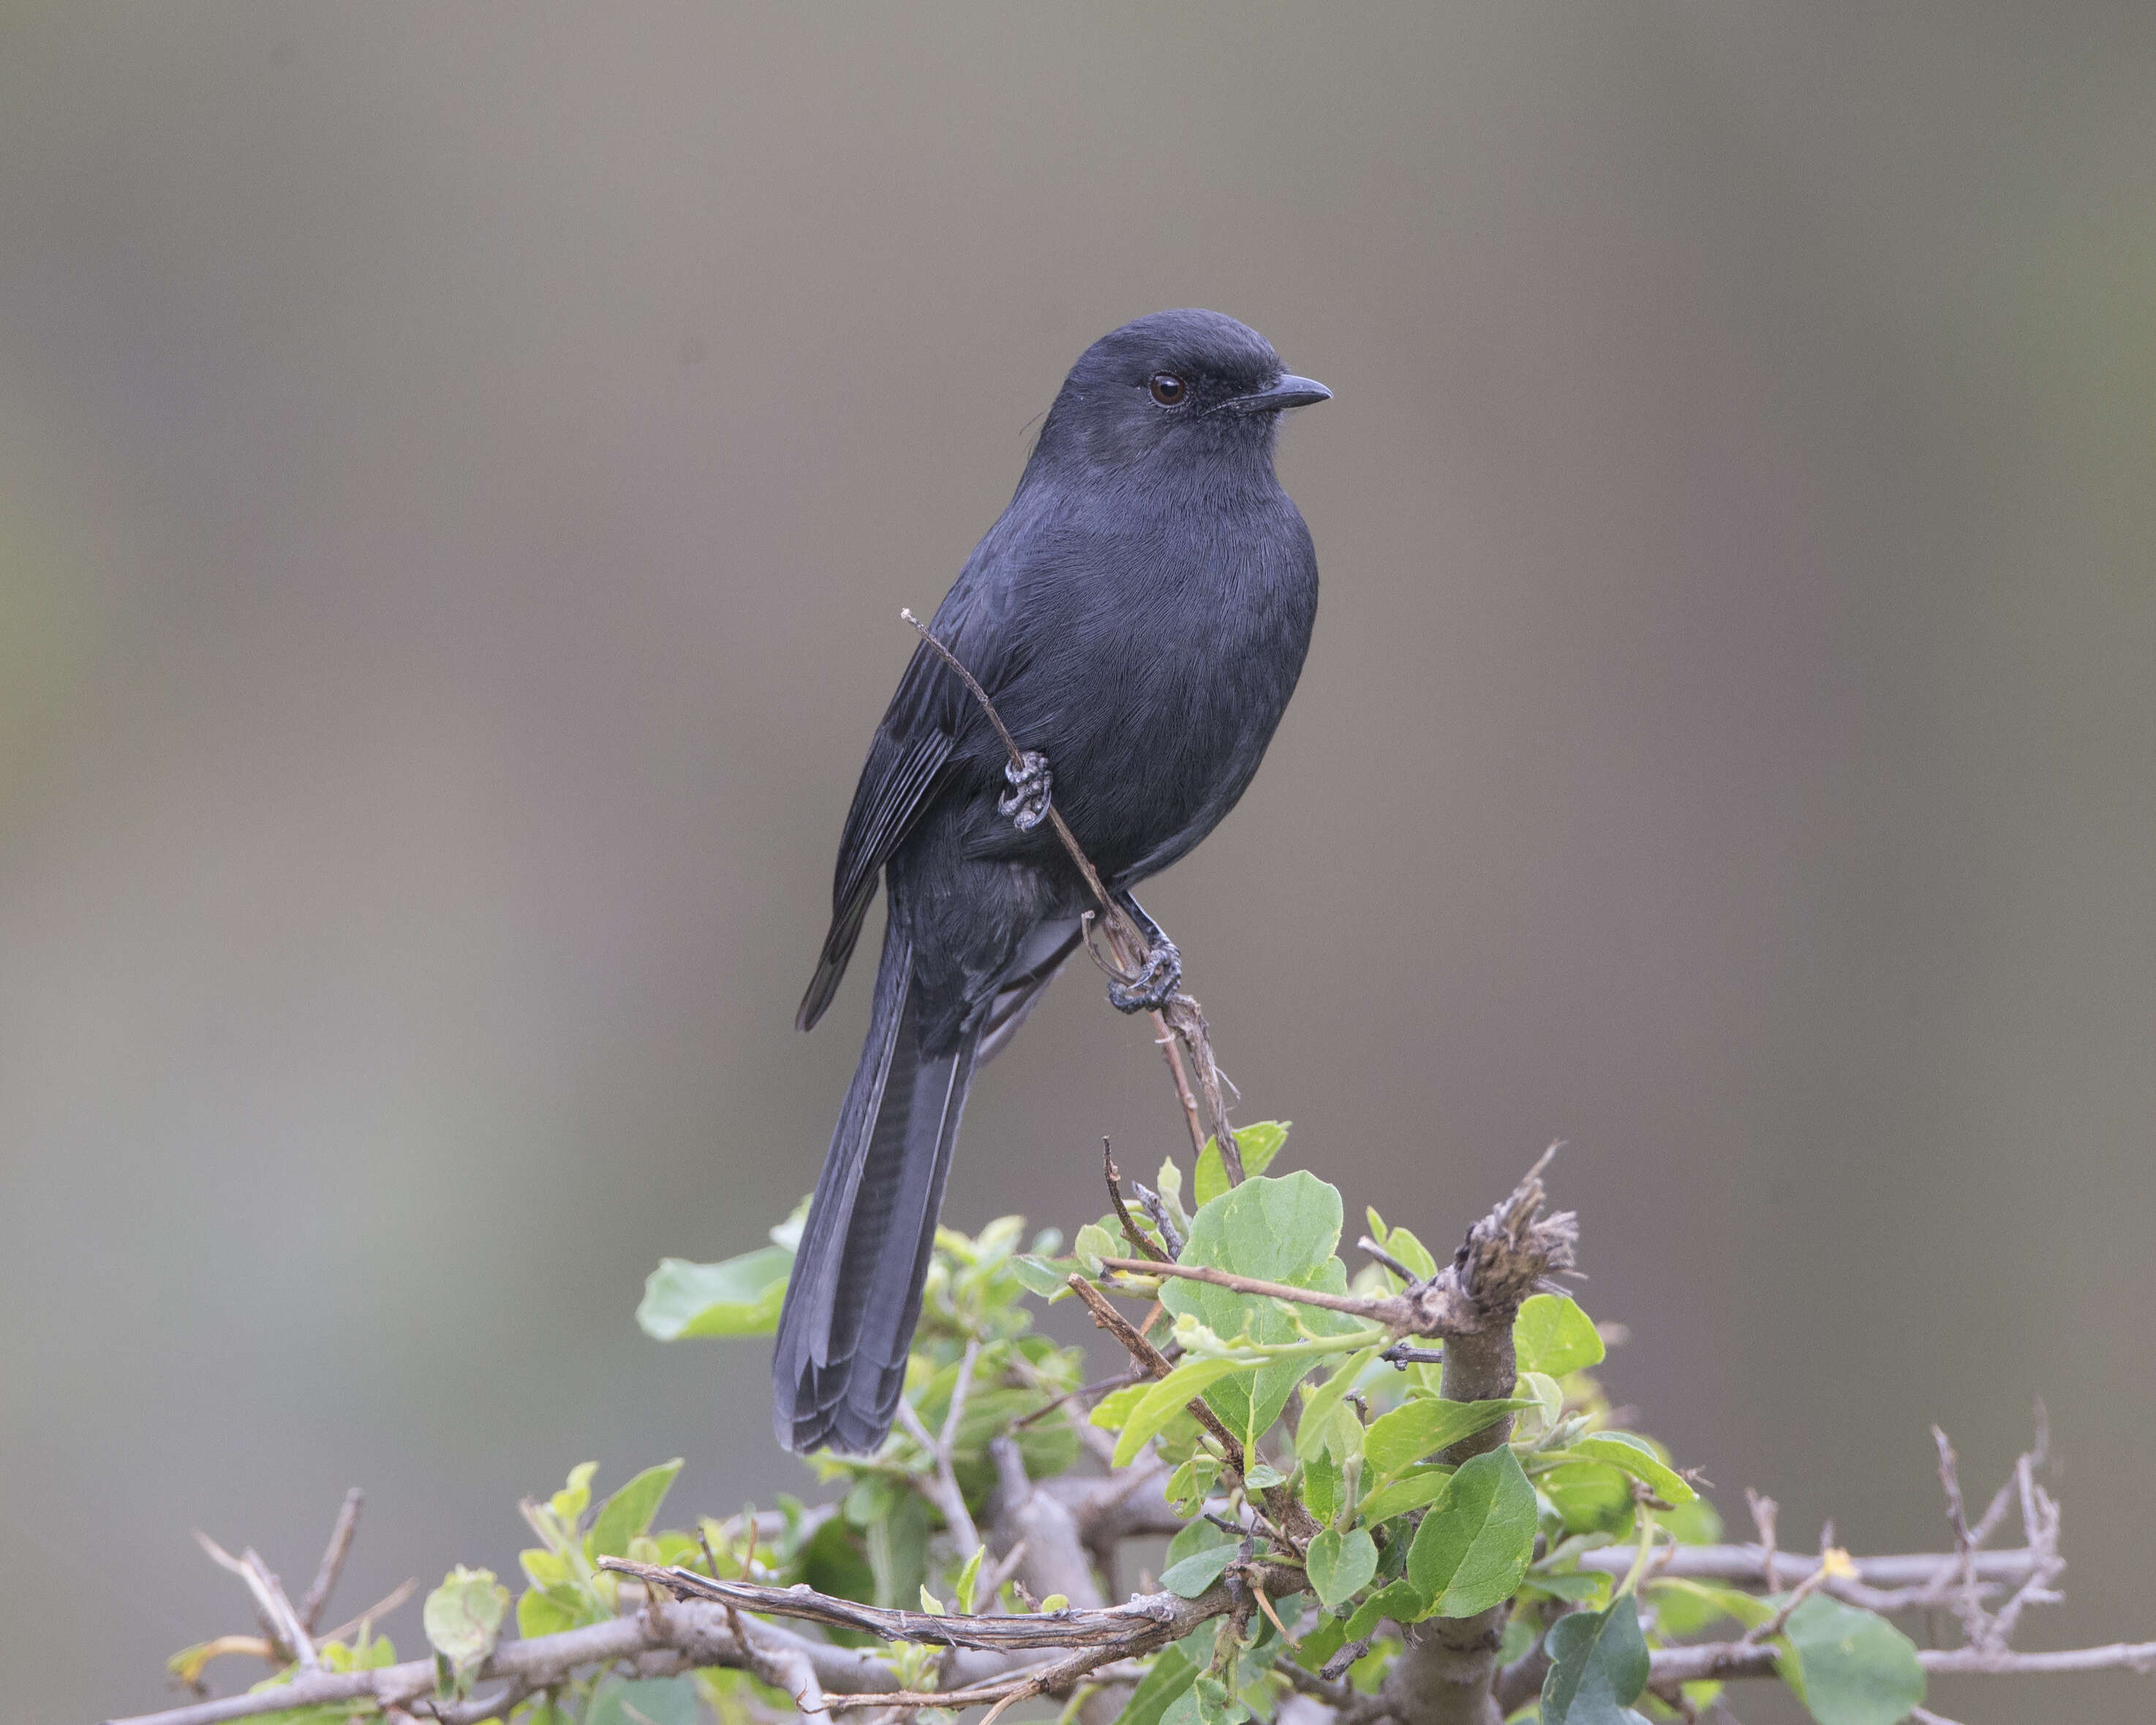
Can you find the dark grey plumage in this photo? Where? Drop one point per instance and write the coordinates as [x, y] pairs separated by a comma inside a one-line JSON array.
[[1139, 615]]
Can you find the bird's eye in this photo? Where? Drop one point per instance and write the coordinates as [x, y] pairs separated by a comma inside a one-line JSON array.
[[1166, 389]]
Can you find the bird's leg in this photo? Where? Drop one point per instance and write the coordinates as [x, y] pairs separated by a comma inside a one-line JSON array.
[[1154, 985], [1026, 802]]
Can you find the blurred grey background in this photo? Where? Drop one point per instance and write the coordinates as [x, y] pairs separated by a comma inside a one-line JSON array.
[[459, 470]]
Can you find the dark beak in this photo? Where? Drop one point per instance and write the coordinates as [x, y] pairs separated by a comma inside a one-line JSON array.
[[1283, 392]]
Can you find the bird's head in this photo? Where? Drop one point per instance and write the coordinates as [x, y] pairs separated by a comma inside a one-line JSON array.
[[1193, 383]]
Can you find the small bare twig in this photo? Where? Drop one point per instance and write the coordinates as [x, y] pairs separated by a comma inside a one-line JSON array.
[[375, 1613], [1764, 1511], [1156, 1206], [286, 1631], [1155, 1362], [2040, 1527], [1181, 1016], [1362, 1306], [1085, 1391], [1408, 1277], [1673, 1665], [1168, 1042], [947, 1496], [317, 1596], [1141, 1243]]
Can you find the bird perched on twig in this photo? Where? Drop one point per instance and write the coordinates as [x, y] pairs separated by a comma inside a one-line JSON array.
[[1138, 616]]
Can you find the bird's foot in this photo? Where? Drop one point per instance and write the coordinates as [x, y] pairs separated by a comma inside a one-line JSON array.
[[1026, 802], [1155, 985]]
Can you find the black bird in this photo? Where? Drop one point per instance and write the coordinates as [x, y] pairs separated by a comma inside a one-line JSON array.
[[1139, 616]]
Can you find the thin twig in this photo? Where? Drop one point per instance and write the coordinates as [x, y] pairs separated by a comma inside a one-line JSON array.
[[947, 1496], [1156, 1206], [1181, 1016], [1099, 1387], [1153, 1361], [1369, 1246], [1736, 1659], [1362, 1306], [317, 1596], [285, 1625], [1168, 1041], [375, 1613], [1141, 1243]]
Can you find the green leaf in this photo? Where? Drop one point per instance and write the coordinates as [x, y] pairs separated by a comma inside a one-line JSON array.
[[1599, 1665], [1094, 1243], [1041, 1275], [1411, 1252], [1198, 1536], [1552, 1334], [1684, 1607], [462, 1617], [1193, 1574], [1171, 1677], [1260, 1144], [1191, 1483], [548, 1611], [1208, 1701], [1164, 1400], [1212, 1177], [1849, 1667], [628, 1513], [1397, 1440], [739, 1297], [1591, 1496], [1340, 1565], [1401, 1601], [1476, 1540], [1573, 1585], [573, 1499], [652, 1700], [1278, 1230], [1310, 1431], [1322, 1486], [1325, 1638], [1546, 1393], [1410, 1491], [1633, 1456], [969, 1578], [1114, 1410]]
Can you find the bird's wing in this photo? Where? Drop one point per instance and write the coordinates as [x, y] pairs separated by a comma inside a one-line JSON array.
[[913, 757]]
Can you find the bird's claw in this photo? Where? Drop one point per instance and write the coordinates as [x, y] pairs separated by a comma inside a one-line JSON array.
[[1026, 802], [1155, 985]]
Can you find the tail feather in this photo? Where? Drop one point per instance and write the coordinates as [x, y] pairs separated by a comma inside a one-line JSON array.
[[855, 1292]]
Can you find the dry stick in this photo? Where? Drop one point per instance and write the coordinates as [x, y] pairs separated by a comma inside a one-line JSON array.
[[1377, 1308], [1287, 1510], [317, 1596], [1139, 1239], [285, 1629], [1671, 1665], [1168, 1048], [375, 1613], [1181, 1016], [1155, 1362], [947, 1496], [1145, 1616]]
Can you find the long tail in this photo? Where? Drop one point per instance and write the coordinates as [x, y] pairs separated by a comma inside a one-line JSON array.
[[855, 1293]]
